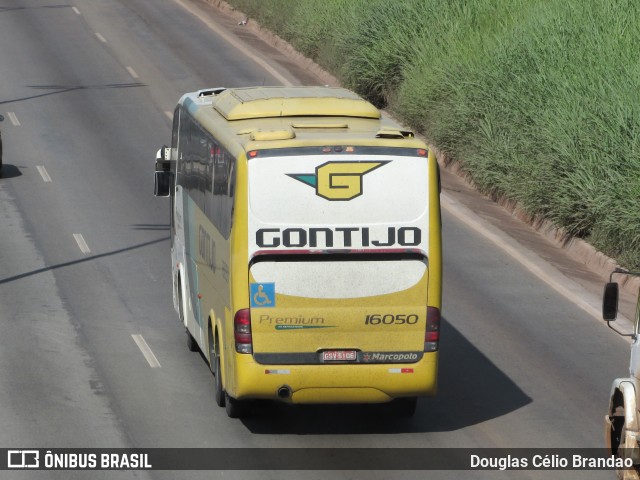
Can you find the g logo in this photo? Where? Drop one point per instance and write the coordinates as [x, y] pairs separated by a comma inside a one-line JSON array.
[[338, 181]]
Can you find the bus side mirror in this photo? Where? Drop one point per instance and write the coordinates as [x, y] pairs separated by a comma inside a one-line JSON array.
[[610, 302], [162, 186]]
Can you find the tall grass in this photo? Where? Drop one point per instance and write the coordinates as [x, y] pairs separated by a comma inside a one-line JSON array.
[[540, 100]]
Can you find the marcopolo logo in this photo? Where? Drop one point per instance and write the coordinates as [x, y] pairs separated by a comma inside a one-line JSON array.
[[338, 181], [391, 357], [23, 458]]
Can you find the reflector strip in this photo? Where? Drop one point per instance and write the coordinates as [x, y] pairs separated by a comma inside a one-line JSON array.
[[277, 372], [401, 370]]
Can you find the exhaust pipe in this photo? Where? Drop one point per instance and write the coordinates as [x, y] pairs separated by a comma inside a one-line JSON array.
[[284, 391]]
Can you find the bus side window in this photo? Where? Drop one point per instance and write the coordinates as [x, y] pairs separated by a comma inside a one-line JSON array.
[[230, 199], [232, 178], [183, 148], [175, 131], [220, 172]]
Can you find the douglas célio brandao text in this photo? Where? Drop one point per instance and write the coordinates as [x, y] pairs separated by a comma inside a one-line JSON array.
[[548, 462]]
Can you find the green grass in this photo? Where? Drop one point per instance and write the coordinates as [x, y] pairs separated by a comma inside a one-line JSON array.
[[538, 99]]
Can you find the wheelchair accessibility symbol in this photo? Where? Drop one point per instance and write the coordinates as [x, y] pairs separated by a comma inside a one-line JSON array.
[[263, 295]]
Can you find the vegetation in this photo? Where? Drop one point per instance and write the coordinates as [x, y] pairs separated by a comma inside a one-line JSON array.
[[539, 100]]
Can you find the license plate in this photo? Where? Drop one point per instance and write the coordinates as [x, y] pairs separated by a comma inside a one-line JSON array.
[[339, 356]]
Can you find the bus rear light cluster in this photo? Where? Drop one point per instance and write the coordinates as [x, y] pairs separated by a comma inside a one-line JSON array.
[[242, 331], [432, 334]]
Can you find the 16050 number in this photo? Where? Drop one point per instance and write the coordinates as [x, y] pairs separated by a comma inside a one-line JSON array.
[[390, 319]]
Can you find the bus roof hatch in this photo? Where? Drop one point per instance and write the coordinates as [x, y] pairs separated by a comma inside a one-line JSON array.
[[269, 102]]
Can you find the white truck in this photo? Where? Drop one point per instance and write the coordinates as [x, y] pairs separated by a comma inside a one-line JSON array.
[[622, 424]]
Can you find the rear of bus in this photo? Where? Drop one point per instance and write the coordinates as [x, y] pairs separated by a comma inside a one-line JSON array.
[[345, 274]]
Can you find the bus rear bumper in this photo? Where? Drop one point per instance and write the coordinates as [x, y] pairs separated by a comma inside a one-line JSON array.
[[340, 383]]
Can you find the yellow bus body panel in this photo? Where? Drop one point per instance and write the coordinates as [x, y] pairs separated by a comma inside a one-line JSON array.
[[361, 383]]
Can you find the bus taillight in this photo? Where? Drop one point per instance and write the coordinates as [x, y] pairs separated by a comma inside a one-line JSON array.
[[242, 331], [432, 334]]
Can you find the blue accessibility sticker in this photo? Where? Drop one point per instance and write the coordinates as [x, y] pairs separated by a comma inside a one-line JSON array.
[[263, 295]]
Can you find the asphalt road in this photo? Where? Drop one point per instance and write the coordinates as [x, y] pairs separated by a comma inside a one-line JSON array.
[[85, 88]]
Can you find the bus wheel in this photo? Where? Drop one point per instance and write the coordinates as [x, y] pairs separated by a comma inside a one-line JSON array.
[[192, 345], [214, 361], [405, 407], [235, 408]]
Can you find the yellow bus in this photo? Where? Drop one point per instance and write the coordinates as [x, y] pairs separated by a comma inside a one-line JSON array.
[[306, 246]]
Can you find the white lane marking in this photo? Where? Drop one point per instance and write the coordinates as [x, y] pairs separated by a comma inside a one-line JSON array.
[[237, 44], [146, 351], [168, 114], [75, 9], [132, 72], [575, 297], [101, 38], [84, 248], [44, 174], [13, 118]]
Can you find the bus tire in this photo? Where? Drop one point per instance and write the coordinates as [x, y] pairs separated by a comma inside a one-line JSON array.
[[192, 345], [405, 407], [214, 362], [235, 408]]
